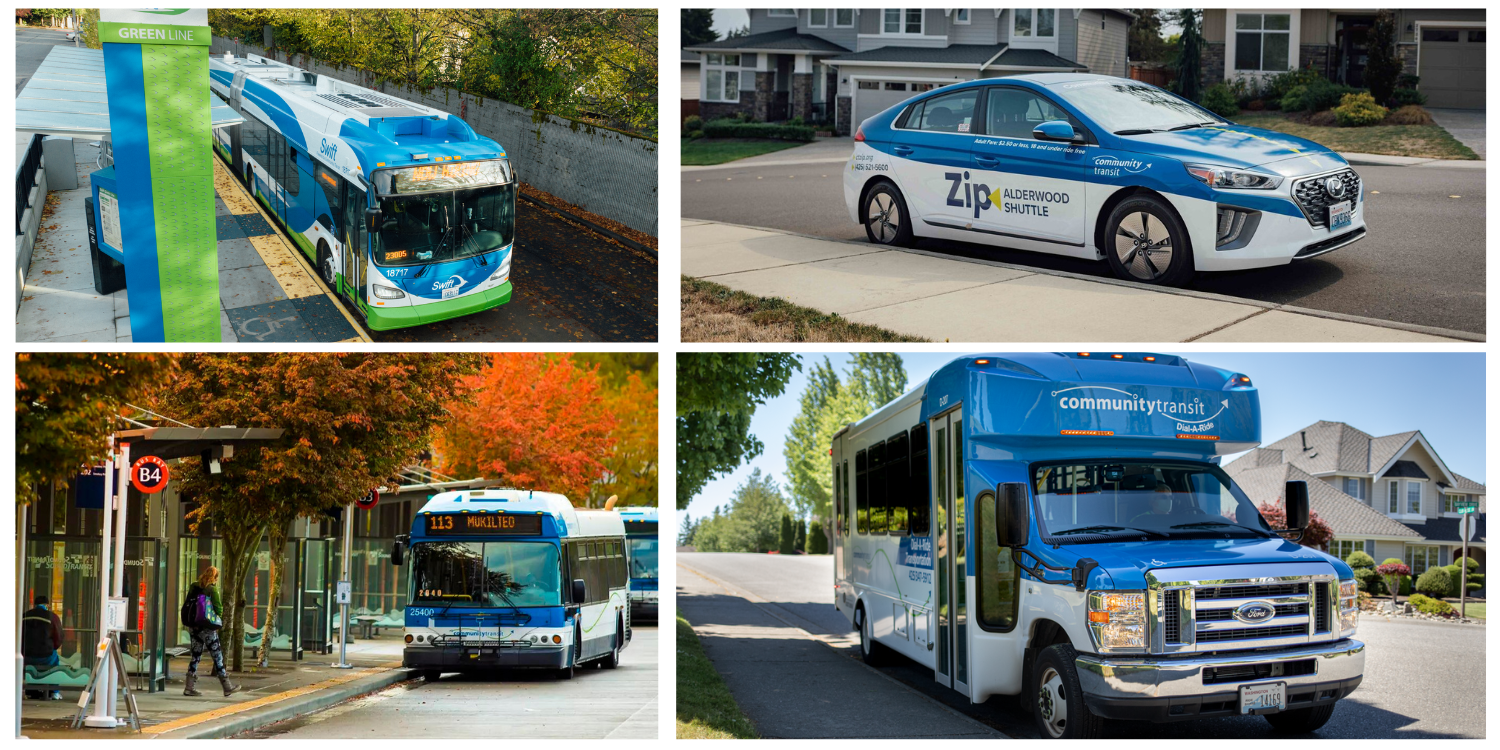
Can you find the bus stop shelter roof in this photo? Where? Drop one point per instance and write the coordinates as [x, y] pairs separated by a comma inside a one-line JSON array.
[[180, 442], [66, 96]]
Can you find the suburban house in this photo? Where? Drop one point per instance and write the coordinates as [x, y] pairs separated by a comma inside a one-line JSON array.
[[1444, 47], [690, 66], [1390, 496], [845, 64]]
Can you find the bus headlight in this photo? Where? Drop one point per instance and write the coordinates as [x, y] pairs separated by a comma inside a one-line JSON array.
[[1117, 620], [1232, 179], [1348, 607], [386, 292]]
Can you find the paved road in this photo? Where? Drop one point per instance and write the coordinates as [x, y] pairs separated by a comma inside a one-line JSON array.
[[1423, 262], [32, 46], [1422, 679], [595, 704]]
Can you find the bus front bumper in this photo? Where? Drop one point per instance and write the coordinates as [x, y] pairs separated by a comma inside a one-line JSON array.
[[485, 657], [391, 318], [1168, 688]]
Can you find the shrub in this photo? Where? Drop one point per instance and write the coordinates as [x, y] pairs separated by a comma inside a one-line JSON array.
[[1430, 606], [817, 541], [1406, 585], [693, 122], [1255, 105], [1278, 85], [1315, 96], [726, 128], [695, 135], [1411, 114], [1295, 99], [1359, 110], [1395, 574], [1435, 582], [1360, 559], [1369, 580], [788, 539], [1220, 100], [1476, 579], [1404, 97]]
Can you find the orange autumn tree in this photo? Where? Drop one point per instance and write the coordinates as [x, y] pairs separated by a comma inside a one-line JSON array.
[[536, 421], [632, 468]]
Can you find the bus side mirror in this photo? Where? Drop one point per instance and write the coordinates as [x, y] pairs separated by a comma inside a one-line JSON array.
[[372, 218], [398, 553], [1012, 522], [1296, 505], [580, 592]]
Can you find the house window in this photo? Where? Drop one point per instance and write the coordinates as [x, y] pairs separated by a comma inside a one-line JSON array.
[[817, 19], [843, 18], [1262, 41], [1343, 548], [1034, 23], [721, 78], [1414, 498], [1421, 558], [1351, 487], [961, 17], [904, 21], [1450, 503], [782, 13], [1395, 497], [1439, 35]]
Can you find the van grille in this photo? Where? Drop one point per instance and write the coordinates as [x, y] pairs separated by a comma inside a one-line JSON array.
[[1323, 610], [1313, 198], [1250, 591], [1219, 615], [1247, 634], [1171, 616]]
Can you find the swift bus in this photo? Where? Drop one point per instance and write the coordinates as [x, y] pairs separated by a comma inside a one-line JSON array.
[[640, 534], [1057, 527], [405, 211], [513, 579]]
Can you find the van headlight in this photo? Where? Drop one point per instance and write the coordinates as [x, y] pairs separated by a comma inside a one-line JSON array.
[[1117, 620], [1348, 607], [386, 292], [1232, 179]]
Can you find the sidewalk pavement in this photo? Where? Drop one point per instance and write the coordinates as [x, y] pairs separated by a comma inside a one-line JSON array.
[[268, 292], [791, 684], [950, 299], [284, 690]]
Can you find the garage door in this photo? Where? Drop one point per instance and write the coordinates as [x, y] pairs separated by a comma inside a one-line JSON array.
[[873, 97], [1451, 65]]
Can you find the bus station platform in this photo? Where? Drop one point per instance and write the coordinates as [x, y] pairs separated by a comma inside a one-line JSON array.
[[268, 293]]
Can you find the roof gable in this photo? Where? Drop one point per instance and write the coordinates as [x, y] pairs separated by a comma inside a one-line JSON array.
[[1347, 516]]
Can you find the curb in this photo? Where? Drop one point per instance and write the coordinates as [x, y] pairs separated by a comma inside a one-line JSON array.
[[289, 708], [1384, 160]]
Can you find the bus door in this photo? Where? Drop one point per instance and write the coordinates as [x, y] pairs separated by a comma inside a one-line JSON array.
[[355, 250], [236, 136], [948, 538]]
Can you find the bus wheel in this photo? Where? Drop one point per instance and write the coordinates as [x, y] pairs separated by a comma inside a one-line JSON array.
[[886, 220], [1301, 720], [873, 653], [430, 675], [1146, 242], [325, 266], [613, 659], [1061, 712]]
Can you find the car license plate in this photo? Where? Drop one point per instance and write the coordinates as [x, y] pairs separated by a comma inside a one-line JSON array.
[[1340, 215], [1263, 698]]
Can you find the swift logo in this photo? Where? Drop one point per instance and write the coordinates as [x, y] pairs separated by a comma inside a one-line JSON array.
[[329, 150], [1133, 166]]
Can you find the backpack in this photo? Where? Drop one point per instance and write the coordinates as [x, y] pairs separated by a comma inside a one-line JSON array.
[[198, 611]]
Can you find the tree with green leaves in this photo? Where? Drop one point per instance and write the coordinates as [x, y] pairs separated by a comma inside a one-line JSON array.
[[1189, 60], [799, 527], [1143, 40], [1383, 67], [788, 537], [817, 544], [698, 26], [750, 522], [717, 394]]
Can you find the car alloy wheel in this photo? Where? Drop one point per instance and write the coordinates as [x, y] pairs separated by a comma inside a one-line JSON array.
[[1144, 245], [884, 219]]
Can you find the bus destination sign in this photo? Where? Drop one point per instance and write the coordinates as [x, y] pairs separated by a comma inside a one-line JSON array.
[[458, 524]]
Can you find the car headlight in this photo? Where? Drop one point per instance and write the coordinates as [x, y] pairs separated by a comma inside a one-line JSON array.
[[386, 292], [1348, 607], [1117, 620], [1233, 179]]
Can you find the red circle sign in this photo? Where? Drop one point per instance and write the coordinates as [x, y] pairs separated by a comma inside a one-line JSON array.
[[149, 474], [369, 500]]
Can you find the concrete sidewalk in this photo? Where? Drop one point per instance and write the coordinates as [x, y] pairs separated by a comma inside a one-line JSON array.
[[284, 690], [953, 300], [791, 685]]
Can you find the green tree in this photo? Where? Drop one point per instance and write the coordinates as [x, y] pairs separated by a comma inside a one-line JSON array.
[[717, 394], [1189, 59], [698, 26], [788, 537], [685, 531], [800, 528], [1383, 66], [817, 544], [1143, 40], [753, 516]]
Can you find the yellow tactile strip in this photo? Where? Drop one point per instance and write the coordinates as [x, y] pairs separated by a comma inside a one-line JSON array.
[[219, 713], [292, 271]]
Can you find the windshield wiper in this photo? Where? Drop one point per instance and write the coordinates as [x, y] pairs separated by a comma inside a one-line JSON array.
[[1206, 524], [1106, 527], [1136, 131], [1190, 126]]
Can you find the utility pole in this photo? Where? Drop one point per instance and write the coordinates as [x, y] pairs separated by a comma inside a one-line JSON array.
[[343, 587]]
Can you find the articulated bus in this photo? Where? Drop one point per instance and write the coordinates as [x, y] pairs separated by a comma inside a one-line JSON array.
[[1058, 527], [640, 534], [513, 579], [406, 212]]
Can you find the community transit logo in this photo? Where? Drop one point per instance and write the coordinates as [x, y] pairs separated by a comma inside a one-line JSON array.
[[1191, 417]]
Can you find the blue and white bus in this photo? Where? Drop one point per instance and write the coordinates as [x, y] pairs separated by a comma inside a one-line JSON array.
[[407, 213], [513, 579], [1057, 527], [643, 542]]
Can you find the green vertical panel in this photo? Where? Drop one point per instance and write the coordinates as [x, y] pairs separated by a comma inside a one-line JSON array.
[[182, 185]]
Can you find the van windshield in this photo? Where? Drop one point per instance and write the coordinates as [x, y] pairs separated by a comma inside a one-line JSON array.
[[1126, 107], [1094, 501]]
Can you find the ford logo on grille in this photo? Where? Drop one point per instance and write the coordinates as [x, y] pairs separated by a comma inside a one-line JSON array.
[[1334, 186], [1254, 613]]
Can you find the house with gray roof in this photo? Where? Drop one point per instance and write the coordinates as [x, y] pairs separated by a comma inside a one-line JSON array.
[[1391, 496], [844, 65]]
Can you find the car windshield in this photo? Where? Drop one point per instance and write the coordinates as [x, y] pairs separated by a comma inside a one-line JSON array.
[[642, 557], [436, 227], [1130, 108], [485, 574], [1094, 501]]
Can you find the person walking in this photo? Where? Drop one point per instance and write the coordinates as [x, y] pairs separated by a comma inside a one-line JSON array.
[[41, 637], [205, 630]]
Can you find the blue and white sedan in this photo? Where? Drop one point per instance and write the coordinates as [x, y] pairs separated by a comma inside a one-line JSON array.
[[1101, 168]]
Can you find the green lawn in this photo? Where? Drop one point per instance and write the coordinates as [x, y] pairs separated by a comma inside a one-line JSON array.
[[719, 150], [1427, 141], [705, 708], [1472, 609], [714, 312]]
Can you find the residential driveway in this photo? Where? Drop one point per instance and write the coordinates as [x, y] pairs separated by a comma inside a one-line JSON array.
[[1467, 125]]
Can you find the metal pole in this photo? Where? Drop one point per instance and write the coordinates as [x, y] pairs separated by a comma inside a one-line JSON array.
[[102, 717], [348, 523], [1463, 572], [119, 570], [20, 609]]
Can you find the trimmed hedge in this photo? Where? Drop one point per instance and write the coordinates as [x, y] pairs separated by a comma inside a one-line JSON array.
[[1435, 582], [1316, 96], [725, 128], [1359, 110], [1429, 606], [1360, 559], [1369, 580]]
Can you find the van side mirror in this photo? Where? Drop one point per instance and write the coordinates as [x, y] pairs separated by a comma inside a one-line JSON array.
[[398, 553], [1056, 130], [1012, 521], [1296, 505], [580, 592]]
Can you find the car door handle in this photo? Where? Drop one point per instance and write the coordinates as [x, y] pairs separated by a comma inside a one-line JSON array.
[[902, 150], [987, 161]]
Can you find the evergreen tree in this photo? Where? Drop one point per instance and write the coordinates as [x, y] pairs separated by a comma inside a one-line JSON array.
[[788, 540], [698, 26], [1383, 67], [1189, 62], [801, 541], [817, 544]]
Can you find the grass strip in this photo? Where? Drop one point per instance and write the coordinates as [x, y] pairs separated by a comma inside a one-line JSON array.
[[705, 151], [713, 312], [705, 708], [1424, 141]]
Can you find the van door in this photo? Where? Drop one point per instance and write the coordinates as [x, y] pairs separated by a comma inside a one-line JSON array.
[[1035, 188], [933, 159], [949, 536]]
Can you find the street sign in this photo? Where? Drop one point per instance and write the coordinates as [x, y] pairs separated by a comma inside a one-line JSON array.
[[88, 488], [369, 501], [342, 593], [149, 474], [1466, 527], [1470, 506]]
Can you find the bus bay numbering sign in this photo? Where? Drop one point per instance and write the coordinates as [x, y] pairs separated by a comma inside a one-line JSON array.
[[149, 474]]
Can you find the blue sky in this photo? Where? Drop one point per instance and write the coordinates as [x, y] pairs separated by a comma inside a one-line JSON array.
[[1441, 394]]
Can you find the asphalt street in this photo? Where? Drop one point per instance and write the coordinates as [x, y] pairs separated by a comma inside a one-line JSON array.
[[1423, 262], [32, 46], [595, 704], [1422, 679]]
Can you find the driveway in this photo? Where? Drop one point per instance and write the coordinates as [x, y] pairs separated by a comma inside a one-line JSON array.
[[1467, 125]]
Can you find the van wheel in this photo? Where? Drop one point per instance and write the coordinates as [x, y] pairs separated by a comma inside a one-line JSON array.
[[1061, 712], [1301, 720], [886, 220], [430, 675], [325, 266], [873, 653], [1146, 242]]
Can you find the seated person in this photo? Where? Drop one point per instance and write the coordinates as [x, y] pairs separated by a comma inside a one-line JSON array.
[[1161, 502]]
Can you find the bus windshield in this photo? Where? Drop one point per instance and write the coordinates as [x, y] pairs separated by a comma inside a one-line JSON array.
[[485, 574], [642, 557], [1094, 501], [436, 227]]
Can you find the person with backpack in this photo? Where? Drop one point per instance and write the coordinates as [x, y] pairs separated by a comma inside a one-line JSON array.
[[200, 615], [41, 637]]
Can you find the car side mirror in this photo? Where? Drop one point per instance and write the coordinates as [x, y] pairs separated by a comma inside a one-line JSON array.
[[1012, 521], [1056, 130], [580, 591], [1296, 506], [398, 553]]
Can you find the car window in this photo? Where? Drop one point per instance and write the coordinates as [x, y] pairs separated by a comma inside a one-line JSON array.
[[1014, 113], [914, 117], [951, 113]]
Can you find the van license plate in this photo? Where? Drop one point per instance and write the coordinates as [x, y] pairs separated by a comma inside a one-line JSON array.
[[1340, 215], [1264, 698]]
